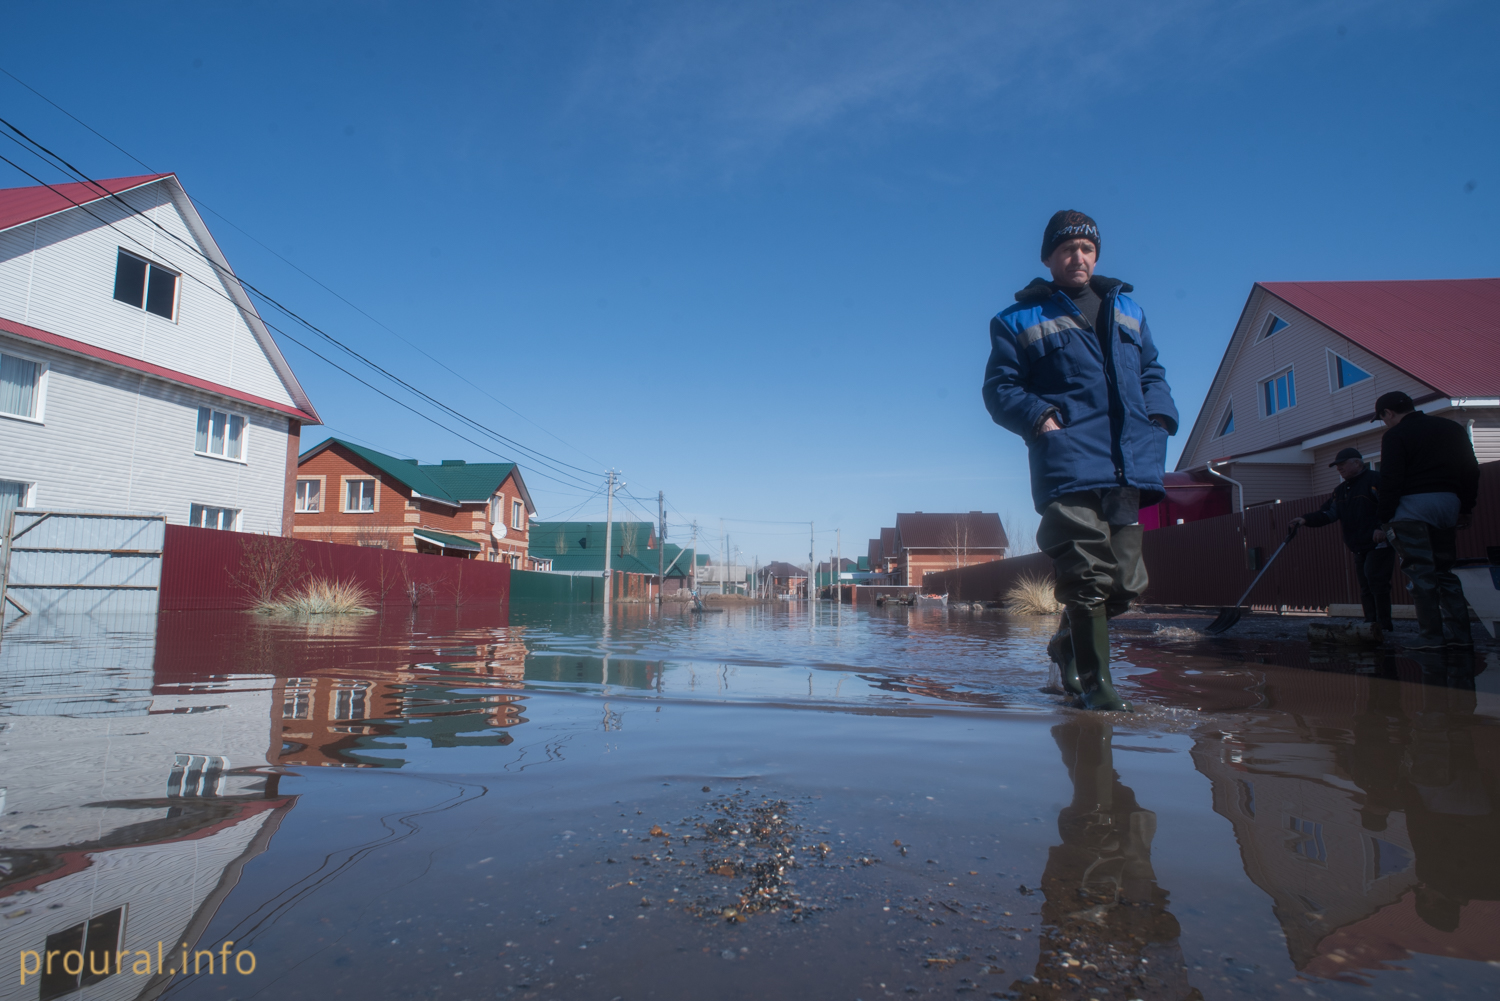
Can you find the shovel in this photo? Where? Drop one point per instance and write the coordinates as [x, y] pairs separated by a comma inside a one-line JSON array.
[[1229, 616]]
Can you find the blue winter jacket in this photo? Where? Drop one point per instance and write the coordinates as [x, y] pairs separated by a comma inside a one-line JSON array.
[[1044, 357]]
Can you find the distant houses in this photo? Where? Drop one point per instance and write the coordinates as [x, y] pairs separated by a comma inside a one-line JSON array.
[[923, 543], [783, 580], [352, 494], [135, 373], [578, 547]]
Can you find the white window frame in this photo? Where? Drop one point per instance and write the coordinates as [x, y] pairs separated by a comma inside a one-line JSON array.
[[244, 456], [237, 516], [518, 514], [344, 507], [322, 482], [1268, 323], [43, 367], [28, 494], [1228, 414], [1260, 391], [146, 291], [1333, 372]]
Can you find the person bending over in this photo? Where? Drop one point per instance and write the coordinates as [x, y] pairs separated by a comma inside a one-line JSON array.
[[1353, 505]]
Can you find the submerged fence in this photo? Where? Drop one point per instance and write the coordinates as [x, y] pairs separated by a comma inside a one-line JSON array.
[[1211, 562], [204, 569]]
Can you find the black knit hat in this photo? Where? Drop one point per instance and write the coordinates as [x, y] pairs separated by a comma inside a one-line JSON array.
[[1068, 225], [1395, 401]]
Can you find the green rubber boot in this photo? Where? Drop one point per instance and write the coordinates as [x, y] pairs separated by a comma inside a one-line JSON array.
[[1090, 642], [1060, 649]]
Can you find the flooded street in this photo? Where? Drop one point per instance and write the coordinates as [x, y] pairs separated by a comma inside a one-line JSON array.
[[876, 803]]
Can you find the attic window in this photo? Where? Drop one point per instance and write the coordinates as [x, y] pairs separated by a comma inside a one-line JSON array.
[[144, 285], [1343, 373], [1226, 426], [1274, 325]]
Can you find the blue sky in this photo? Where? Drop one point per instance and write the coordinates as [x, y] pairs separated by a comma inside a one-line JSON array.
[[747, 254]]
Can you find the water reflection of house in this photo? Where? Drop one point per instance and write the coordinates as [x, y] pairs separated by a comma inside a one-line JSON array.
[[122, 829], [328, 721], [1366, 807]]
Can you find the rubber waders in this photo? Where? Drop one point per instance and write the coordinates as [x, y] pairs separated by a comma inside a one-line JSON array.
[[1060, 649], [1090, 635]]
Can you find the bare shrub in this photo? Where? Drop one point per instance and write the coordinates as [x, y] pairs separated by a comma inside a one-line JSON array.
[[270, 566], [323, 597], [1032, 595], [416, 591]]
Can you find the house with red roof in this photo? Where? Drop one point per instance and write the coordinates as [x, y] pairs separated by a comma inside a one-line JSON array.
[[1307, 360], [135, 373]]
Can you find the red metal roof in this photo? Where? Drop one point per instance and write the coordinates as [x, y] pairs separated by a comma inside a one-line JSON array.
[[1445, 332], [135, 364], [22, 205]]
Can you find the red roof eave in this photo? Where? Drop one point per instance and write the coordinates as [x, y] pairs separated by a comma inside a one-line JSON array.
[[71, 346]]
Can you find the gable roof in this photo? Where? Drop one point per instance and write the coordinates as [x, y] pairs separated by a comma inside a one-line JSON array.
[[1445, 332], [560, 538], [19, 206], [451, 484], [778, 568], [936, 531]]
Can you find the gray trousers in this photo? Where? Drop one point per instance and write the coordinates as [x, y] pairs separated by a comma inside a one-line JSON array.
[[1427, 557], [1096, 564]]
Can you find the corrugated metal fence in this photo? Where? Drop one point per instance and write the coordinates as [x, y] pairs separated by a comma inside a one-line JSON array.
[[92, 562], [208, 570], [1211, 562]]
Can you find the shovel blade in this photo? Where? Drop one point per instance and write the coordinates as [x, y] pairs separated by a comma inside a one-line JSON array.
[[1226, 620]]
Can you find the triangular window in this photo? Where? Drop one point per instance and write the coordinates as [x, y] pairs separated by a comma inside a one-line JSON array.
[[1226, 426], [1343, 373], [1274, 325]]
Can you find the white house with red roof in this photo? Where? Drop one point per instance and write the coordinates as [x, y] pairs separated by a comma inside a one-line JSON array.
[[135, 373], [1308, 359]]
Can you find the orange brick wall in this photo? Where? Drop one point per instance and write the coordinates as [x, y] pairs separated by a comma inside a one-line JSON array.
[[924, 561]]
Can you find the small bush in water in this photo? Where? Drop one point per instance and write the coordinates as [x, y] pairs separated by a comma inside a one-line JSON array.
[[323, 597], [1032, 596]]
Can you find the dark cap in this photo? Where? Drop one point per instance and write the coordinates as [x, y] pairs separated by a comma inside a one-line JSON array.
[[1345, 454], [1396, 401], [1068, 225]]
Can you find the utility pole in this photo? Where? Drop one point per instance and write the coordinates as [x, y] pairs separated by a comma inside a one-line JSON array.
[[838, 567], [661, 544], [812, 562], [609, 539], [693, 572]]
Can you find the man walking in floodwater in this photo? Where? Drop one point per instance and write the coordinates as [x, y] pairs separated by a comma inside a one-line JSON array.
[[1073, 371], [1429, 480], [1353, 505]]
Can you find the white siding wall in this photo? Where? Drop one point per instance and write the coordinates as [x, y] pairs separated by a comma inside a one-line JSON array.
[[114, 440], [58, 274], [1302, 346]]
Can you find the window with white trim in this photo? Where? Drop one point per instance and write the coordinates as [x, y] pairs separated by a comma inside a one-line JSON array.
[[1279, 393], [359, 495], [1273, 325], [1343, 373], [21, 386], [221, 434], [13, 494], [517, 514], [1226, 426], [144, 285], [224, 518], [309, 496]]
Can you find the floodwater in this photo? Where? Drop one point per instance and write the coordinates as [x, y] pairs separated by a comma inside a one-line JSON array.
[[457, 804]]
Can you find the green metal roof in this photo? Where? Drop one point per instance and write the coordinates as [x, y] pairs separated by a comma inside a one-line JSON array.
[[452, 482], [447, 541], [549, 539], [644, 562]]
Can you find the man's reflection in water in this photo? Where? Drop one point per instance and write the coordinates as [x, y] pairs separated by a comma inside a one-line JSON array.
[[1106, 928], [1426, 766]]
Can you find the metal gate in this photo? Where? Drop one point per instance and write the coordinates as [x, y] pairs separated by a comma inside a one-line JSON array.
[[81, 561]]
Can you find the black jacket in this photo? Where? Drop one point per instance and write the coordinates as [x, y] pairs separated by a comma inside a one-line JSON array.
[[1424, 455], [1353, 505]]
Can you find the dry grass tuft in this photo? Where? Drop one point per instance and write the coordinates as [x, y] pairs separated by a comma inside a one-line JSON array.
[[1032, 596], [322, 597]]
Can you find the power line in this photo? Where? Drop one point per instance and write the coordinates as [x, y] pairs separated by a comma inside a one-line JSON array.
[[304, 273]]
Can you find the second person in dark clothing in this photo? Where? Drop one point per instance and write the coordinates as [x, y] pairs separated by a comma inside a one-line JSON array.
[[1354, 505]]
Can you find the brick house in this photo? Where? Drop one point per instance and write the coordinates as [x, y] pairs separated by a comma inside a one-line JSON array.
[[354, 495], [927, 543]]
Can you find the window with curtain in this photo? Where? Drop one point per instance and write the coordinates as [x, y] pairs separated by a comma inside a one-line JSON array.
[[309, 496], [360, 495], [20, 386], [517, 515], [221, 434], [222, 518]]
